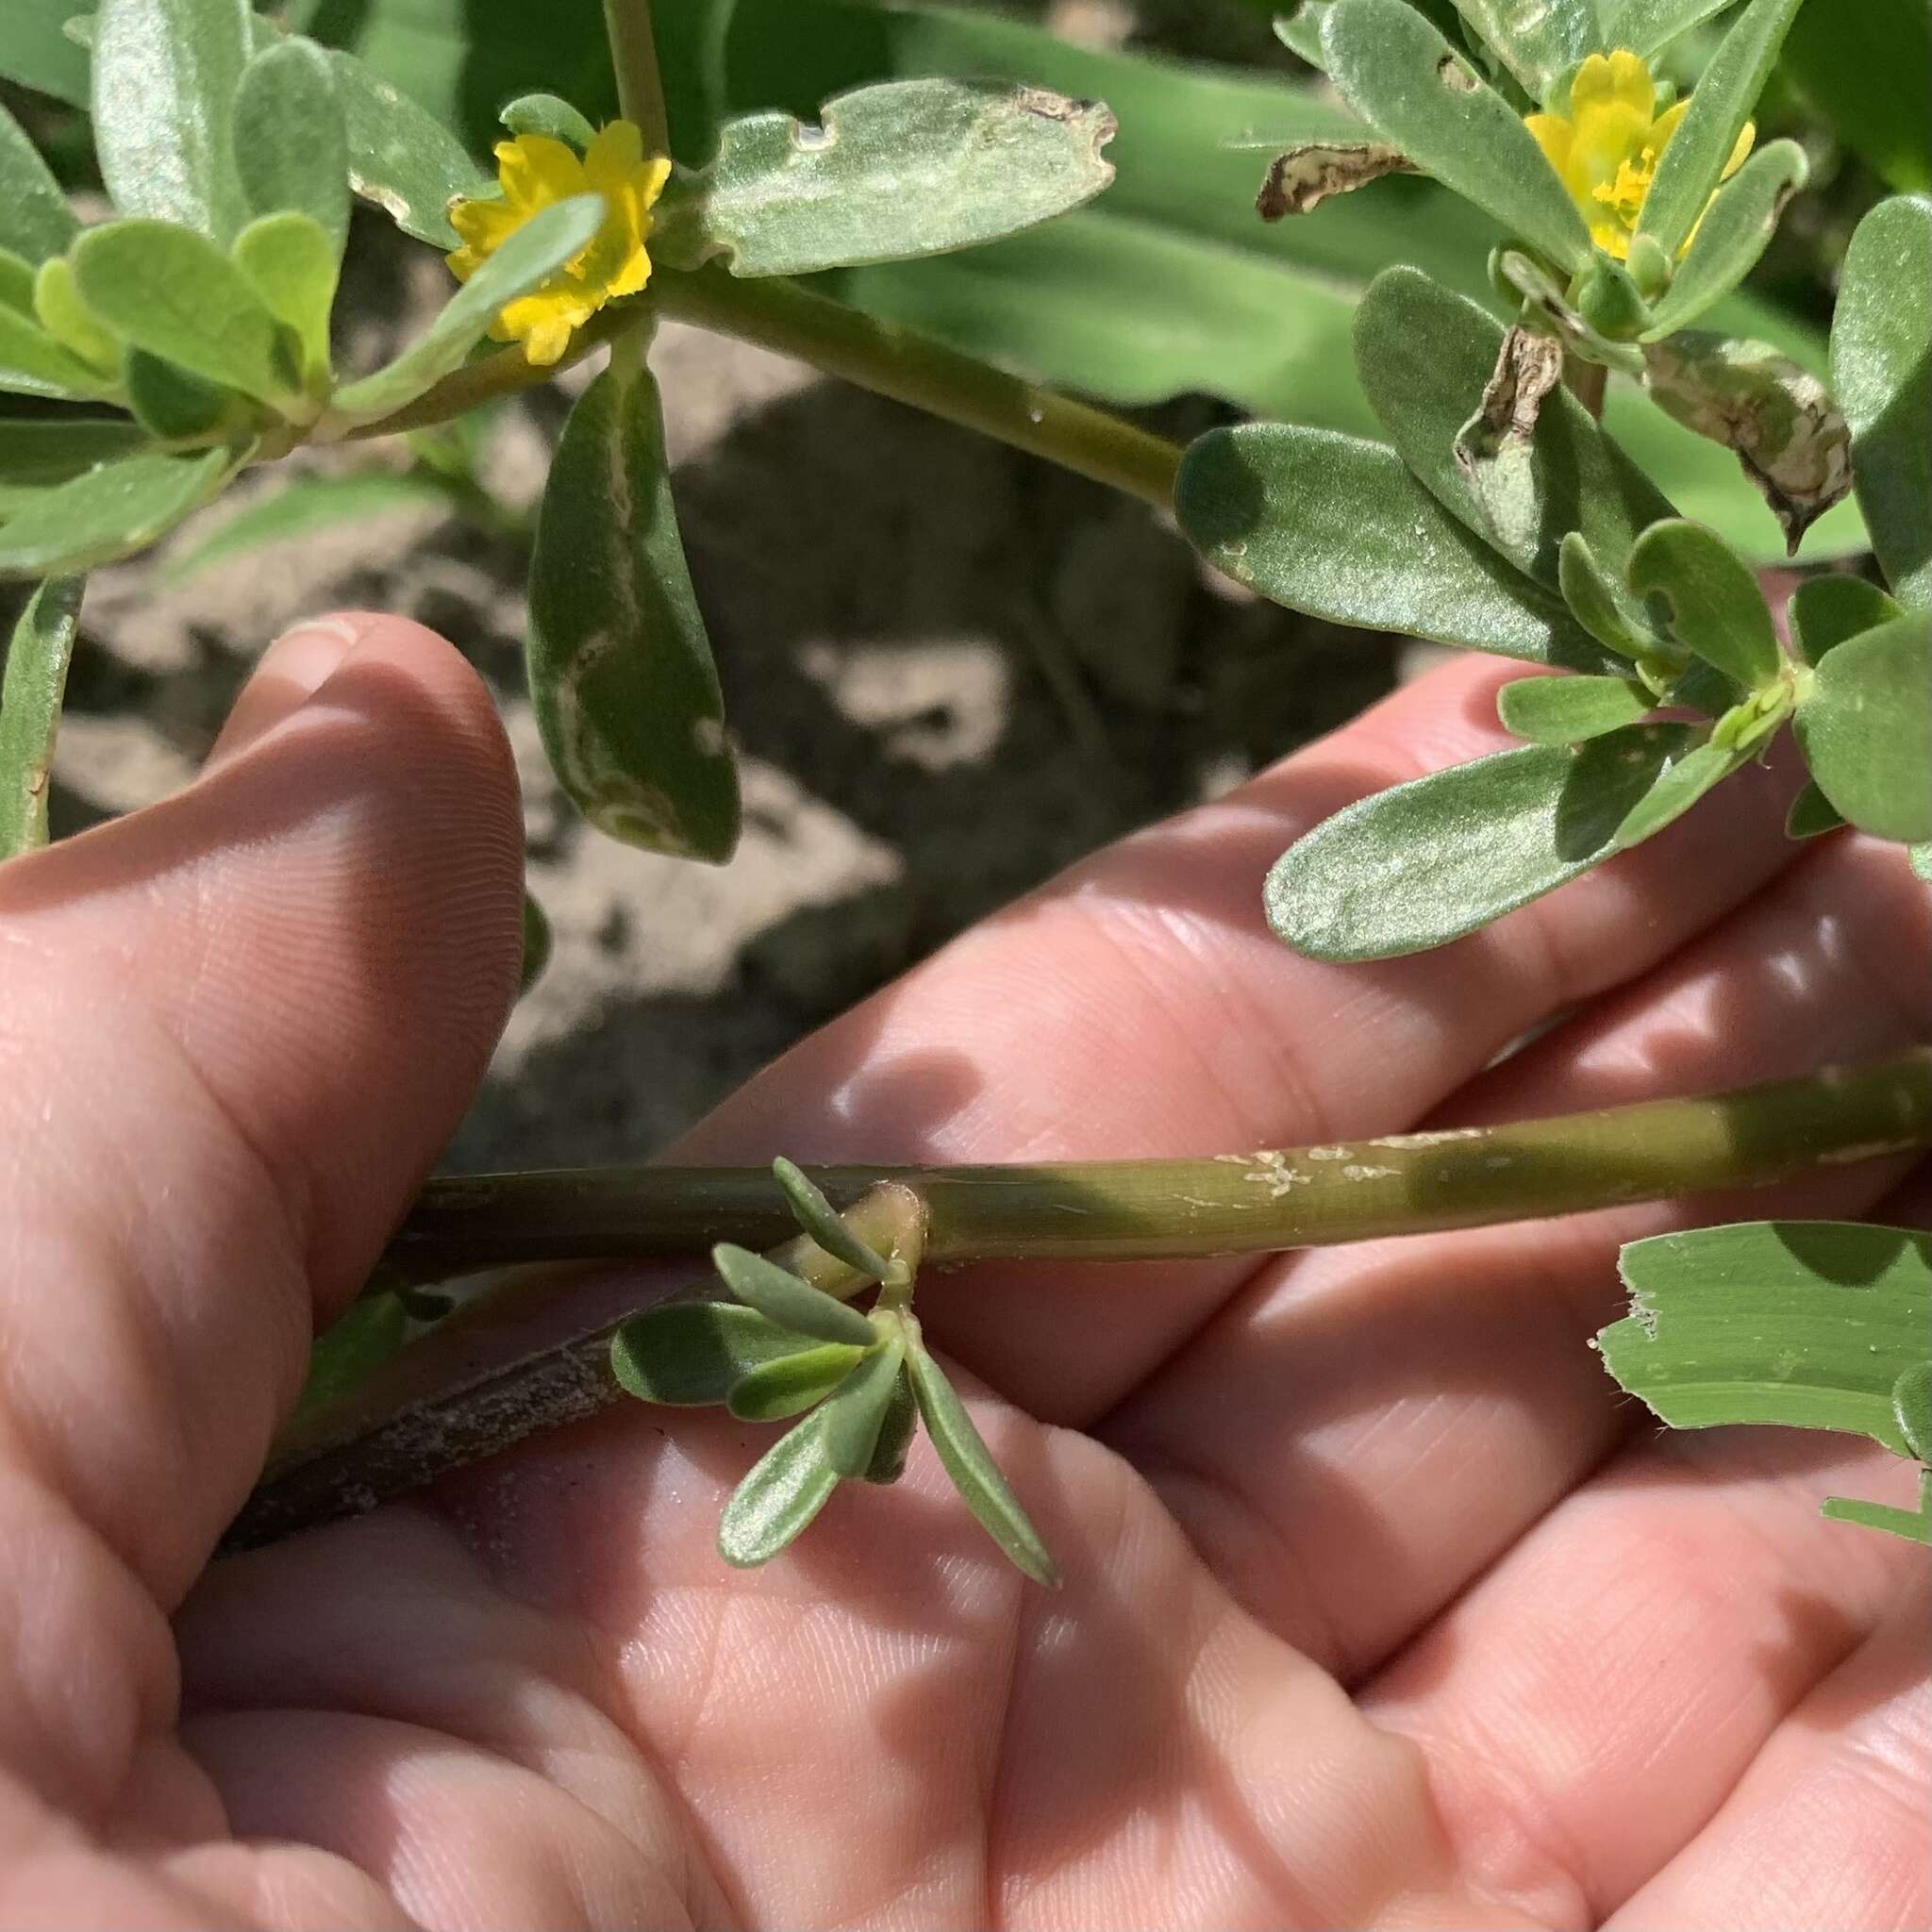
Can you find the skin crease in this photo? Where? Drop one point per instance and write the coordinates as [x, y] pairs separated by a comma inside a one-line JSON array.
[[1382, 1607]]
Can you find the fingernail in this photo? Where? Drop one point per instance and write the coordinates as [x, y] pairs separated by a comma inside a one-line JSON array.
[[308, 656]]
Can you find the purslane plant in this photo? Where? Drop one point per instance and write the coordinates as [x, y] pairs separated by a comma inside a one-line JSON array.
[[189, 338]]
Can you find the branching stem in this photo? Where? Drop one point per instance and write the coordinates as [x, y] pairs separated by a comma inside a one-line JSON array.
[[1106, 1210]]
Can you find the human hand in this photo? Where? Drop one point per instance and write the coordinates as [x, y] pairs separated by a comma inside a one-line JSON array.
[[1380, 1606]]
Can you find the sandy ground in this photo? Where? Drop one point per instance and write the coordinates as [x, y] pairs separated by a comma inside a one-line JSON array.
[[951, 670]]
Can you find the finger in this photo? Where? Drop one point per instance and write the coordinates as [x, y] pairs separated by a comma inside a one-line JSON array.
[[1599, 1693], [1140, 1006], [1363, 1430], [1829, 1825], [238, 1026], [290, 672]]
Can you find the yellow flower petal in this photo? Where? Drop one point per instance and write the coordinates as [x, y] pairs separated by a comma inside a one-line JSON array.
[[1554, 135], [1595, 85], [1630, 83], [614, 151], [1747, 135], [537, 171]]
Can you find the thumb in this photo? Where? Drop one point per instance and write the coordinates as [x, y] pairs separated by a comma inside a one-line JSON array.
[[238, 1027]]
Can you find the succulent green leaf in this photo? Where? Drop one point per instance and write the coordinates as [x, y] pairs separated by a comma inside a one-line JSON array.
[[1862, 70], [1865, 728], [1677, 790], [1423, 864], [1826, 611], [172, 405], [550, 115], [33, 363], [1911, 1409], [292, 140], [1407, 81], [788, 1486], [538, 944], [1300, 32], [1567, 710], [1731, 237], [1597, 603], [1881, 371], [896, 1430], [35, 220], [38, 452], [620, 667], [531, 256], [1645, 25], [1914, 1525], [907, 168], [824, 1222], [1539, 41], [165, 73], [854, 1413], [1807, 1324], [370, 1332], [37, 51], [60, 310], [693, 1353], [1693, 159], [1337, 526], [30, 696], [293, 263], [775, 1389], [16, 282], [780, 1297], [304, 505], [171, 292], [968, 1462], [1716, 609], [109, 512], [402, 158], [1811, 814], [1424, 355]]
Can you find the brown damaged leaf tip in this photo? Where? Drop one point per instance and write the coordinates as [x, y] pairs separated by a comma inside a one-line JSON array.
[[1307, 174], [1528, 367]]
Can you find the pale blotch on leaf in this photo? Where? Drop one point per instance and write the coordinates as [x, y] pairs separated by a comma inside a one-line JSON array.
[[1305, 175]]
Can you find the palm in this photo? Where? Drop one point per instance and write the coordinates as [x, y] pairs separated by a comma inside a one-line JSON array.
[[1379, 1606]]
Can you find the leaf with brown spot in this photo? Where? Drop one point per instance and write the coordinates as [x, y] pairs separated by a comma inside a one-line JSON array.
[[1303, 176]]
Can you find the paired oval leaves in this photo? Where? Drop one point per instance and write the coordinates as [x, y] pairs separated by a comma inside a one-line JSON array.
[[1407, 81], [1881, 373], [620, 668], [1430, 862], [906, 168], [171, 291], [694, 1354], [1337, 526], [1865, 727]]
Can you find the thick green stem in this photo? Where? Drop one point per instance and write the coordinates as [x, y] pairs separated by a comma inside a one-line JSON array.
[[1109, 1210], [911, 368], [634, 55]]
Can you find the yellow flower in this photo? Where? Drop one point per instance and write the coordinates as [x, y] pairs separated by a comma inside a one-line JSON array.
[[536, 173], [1606, 151]]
